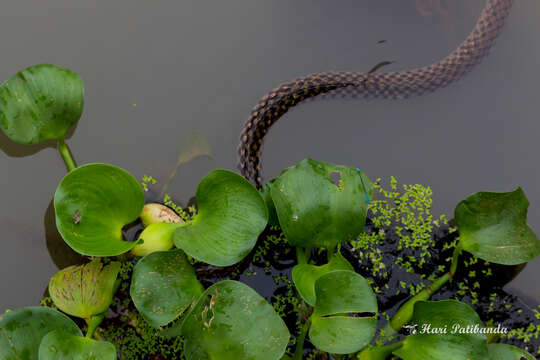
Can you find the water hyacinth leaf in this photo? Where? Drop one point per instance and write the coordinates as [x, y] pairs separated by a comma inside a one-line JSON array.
[[156, 237], [344, 319], [507, 352], [493, 226], [454, 316], [40, 103], [231, 321], [92, 205], [305, 275], [85, 290], [267, 196], [231, 215], [321, 204], [59, 345], [163, 286], [21, 331]]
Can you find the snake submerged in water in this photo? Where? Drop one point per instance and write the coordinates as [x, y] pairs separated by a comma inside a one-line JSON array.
[[389, 85]]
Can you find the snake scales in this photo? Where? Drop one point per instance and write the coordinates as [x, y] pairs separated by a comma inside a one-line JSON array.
[[389, 85]]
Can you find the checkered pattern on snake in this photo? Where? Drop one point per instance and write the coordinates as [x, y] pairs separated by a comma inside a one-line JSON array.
[[389, 85]]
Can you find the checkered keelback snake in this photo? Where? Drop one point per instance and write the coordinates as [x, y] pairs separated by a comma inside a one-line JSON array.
[[389, 85]]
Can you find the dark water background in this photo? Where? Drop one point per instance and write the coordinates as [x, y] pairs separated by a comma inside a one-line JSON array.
[[200, 66]]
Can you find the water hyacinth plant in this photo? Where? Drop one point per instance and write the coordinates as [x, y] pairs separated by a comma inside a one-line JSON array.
[[317, 208]]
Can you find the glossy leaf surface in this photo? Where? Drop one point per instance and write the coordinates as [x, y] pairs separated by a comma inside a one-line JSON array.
[[455, 317], [320, 204], [493, 226], [163, 286], [305, 275], [21, 331], [344, 319], [507, 352], [231, 216], [59, 345], [40, 103], [85, 290], [92, 205], [232, 322]]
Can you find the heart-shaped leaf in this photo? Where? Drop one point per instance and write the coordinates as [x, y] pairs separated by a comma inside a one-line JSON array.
[[507, 352], [493, 226], [85, 290], [231, 216], [321, 204], [59, 345], [163, 286], [231, 321], [452, 318], [92, 204], [344, 319], [305, 275], [21, 331], [39, 103], [156, 237]]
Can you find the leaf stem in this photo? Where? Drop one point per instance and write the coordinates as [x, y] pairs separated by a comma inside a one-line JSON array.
[[93, 323], [299, 350], [66, 154], [455, 256], [405, 312], [302, 256], [379, 352]]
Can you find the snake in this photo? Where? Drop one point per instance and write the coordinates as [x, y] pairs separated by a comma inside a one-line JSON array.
[[386, 85]]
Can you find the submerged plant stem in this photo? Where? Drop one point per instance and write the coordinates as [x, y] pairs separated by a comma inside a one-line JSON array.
[[66, 154], [299, 350], [405, 312]]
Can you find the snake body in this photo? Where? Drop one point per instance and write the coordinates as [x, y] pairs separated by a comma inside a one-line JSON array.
[[389, 85]]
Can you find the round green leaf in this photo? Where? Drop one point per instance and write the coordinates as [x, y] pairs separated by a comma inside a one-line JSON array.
[[507, 352], [231, 216], [21, 331], [163, 286], [493, 226], [40, 103], [320, 204], [92, 204], [305, 275], [344, 319], [85, 290], [455, 317], [231, 321], [59, 345]]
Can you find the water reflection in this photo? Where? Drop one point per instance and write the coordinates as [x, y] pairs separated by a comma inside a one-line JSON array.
[[61, 254]]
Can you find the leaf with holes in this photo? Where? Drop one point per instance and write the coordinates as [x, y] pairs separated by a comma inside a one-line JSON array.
[[39, 103], [163, 286], [344, 319], [231, 215], [429, 343], [85, 290], [59, 345], [321, 204], [231, 321], [21, 331], [493, 226], [92, 205], [305, 275]]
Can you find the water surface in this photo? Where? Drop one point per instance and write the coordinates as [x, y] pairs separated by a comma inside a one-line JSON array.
[[200, 66]]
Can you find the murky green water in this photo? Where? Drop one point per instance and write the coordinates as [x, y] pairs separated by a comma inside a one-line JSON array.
[[198, 66]]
